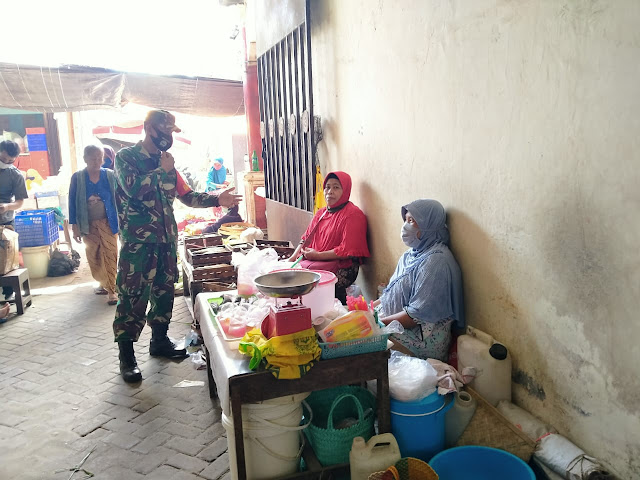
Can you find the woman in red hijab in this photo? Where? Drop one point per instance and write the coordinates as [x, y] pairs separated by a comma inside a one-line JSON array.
[[336, 238]]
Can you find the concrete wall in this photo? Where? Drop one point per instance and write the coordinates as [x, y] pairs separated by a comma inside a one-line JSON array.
[[521, 117], [274, 20]]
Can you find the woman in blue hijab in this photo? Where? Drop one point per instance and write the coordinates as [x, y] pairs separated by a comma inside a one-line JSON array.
[[425, 291], [217, 177]]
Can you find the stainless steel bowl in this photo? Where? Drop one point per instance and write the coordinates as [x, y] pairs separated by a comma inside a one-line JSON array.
[[287, 283]]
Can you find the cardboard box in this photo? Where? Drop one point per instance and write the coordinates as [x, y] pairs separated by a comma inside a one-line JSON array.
[[9, 259], [50, 201]]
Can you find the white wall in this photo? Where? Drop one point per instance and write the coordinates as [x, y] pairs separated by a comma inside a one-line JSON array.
[[521, 117]]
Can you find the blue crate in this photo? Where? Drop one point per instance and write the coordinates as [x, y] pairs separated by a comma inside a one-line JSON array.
[[36, 228]]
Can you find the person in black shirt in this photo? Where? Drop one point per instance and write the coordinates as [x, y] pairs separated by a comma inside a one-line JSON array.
[[13, 190]]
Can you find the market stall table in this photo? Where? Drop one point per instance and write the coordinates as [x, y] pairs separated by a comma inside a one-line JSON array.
[[234, 383]]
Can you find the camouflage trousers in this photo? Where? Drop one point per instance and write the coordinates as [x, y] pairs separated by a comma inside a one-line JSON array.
[[146, 275]]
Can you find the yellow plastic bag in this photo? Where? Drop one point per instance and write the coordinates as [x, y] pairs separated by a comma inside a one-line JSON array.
[[286, 356], [319, 200]]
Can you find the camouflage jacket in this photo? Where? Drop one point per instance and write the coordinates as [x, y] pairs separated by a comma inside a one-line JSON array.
[[144, 197]]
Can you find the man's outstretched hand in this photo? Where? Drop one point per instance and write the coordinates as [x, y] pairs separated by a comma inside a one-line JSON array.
[[228, 199]]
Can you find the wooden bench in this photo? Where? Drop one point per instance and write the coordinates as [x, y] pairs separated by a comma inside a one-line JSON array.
[[19, 280]]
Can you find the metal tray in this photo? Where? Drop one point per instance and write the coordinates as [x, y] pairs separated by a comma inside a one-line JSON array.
[[288, 283]]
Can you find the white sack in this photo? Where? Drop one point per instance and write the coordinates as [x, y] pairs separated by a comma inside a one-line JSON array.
[[567, 459], [530, 425]]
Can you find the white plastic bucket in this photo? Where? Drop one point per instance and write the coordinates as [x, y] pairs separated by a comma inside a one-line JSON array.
[[273, 439], [36, 260]]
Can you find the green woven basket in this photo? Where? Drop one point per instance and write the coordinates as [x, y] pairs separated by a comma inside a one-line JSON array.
[[331, 407]]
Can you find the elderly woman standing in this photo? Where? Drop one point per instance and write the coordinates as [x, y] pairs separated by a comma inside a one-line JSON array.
[[94, 219], [336, 238], [425, 291]]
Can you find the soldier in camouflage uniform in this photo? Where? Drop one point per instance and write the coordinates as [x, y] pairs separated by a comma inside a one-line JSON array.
[[147, 184]]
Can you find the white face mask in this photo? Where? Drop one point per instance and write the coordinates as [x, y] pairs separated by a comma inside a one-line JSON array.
[[410, 234]]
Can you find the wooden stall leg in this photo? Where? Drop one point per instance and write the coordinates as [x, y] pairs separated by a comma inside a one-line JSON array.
[[213, 390], [236, 412], [384, 404], [185, 283]]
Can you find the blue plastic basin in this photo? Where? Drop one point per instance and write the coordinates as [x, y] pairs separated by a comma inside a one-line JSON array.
[[480, 463]]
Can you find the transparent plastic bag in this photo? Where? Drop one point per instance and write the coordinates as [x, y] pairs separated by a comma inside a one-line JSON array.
[[256, 314], [354, 291], [410, 378], [191, 338], [393, 327], [253, 264], [197, 358], [355, 324]]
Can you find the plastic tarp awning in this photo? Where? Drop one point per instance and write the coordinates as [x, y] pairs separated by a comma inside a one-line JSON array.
[[73, 88], [131, 133]]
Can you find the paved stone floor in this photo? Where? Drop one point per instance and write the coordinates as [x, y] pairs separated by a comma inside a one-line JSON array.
[[61, 396]]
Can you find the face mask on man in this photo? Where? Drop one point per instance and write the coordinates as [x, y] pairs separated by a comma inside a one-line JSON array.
[[163, 141], [409, 234]]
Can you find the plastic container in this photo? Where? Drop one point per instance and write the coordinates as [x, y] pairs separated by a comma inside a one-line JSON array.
[[36, 260], [378, 454], [457, 419], [36, 228], [272, 437], [492, 362], [376, 343], [419, 426], [480, 463], [320, 300]]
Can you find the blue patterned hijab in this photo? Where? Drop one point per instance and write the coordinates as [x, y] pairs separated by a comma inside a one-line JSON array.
[[427, 282], [431, 219]]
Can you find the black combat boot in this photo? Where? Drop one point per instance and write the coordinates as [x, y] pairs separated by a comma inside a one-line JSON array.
[[128, 365], [162, 346]]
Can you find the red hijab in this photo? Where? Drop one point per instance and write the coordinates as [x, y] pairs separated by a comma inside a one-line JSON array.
[[342, 228]]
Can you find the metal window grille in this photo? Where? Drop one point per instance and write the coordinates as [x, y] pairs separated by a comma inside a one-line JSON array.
[[286, 119]]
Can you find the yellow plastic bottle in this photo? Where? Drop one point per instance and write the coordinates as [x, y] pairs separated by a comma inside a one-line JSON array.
[[376, 455]]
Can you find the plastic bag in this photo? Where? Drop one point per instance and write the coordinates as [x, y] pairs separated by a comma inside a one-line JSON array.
[[199, 363], [250, 235], [410, 378], [393, 327], [355, 324], [253, 264], [337, 311], [256, 314], [190, 338], [238, 318], [354, 291], [322, 321]]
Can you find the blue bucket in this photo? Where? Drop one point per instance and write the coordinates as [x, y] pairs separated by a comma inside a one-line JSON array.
[[479, 463], [419, 426]]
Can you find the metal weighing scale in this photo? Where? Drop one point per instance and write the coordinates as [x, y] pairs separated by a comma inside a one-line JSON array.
[[291, 316]]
